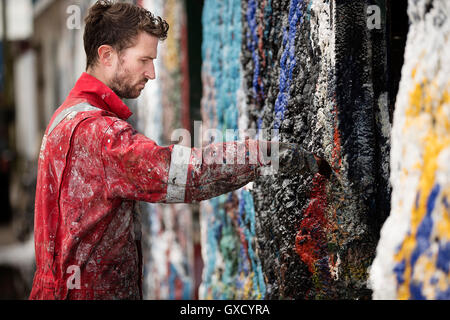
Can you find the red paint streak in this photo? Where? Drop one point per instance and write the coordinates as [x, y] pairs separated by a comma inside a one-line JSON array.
[[311, 239], [243, 240]]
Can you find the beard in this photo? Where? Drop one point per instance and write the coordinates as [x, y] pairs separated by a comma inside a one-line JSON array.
[[123, 85]]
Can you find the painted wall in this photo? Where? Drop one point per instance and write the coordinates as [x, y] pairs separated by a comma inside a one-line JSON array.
[[413, 255], [316, 72]]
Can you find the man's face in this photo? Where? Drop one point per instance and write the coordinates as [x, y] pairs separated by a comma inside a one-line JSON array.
[[135, 67]]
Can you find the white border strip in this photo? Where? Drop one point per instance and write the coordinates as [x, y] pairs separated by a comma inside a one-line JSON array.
[[178, 171]]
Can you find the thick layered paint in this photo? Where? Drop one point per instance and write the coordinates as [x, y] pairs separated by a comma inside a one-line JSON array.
[[288, 60], [413, 257], [311, 240], [304, 76]]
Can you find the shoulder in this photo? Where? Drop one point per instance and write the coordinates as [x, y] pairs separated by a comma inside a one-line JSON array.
[[92, 124], [90, 116]]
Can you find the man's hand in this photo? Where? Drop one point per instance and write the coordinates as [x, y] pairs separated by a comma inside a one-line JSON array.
[[295, 159]]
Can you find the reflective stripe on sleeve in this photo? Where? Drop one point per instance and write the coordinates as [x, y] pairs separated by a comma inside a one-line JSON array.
[[179, 165]]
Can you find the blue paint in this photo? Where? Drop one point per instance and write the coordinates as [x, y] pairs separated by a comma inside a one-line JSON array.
[[432, 198], [247, 211], [308, 11], [434, 280], [288, 61], [443, 257], [443, 295], [399, 271], [267, 19], [171, 281], [253, 41], [221, 47], [250, 210], [259, 123], [416, 291], [425, 227], [423, 242]]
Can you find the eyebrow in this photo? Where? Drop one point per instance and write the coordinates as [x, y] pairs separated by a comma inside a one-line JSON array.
[[148, 57]]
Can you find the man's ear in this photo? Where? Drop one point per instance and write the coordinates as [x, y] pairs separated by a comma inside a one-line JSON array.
[[106, 55]]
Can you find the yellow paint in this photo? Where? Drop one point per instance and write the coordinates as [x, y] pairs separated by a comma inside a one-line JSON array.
[[248, 286], [425, 99], [423, 273], [443, 281], [433, 146], [414, 71], [427, 272], [415, 101], [443, 112]]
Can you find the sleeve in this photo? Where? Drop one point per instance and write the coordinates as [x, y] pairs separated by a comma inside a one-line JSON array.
[[137, 168]]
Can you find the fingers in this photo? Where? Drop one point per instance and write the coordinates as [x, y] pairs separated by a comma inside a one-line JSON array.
[[324, 168], [311, 162]]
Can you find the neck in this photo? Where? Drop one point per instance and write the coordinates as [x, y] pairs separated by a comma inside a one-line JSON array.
[[98, 75]]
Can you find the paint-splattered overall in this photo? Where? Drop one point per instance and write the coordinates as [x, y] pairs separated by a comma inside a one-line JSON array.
[[93, 166]]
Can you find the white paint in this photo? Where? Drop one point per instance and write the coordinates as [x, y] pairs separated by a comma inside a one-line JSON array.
[[322, 38], [334, 270], [383, 119]]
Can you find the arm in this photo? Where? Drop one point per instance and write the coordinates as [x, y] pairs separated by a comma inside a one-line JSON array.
[[137, 168]]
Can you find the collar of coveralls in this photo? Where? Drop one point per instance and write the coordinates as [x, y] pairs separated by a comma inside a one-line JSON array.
[[90, 89]]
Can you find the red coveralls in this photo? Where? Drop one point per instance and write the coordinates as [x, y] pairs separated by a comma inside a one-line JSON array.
[[93, 166]]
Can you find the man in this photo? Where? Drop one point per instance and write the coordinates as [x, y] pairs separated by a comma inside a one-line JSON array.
[[93, 166]]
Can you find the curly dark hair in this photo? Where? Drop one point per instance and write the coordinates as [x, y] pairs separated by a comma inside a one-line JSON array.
[[118, 25]]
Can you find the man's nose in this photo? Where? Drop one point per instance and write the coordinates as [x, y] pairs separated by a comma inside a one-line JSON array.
[[150, 75], [150, 72]]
